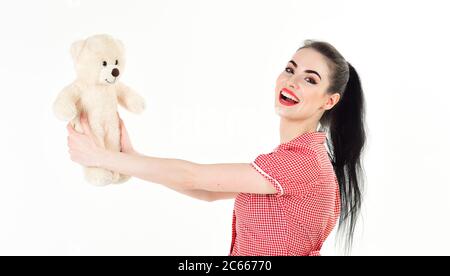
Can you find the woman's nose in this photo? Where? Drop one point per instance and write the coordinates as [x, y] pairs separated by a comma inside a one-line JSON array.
[[292, 82]]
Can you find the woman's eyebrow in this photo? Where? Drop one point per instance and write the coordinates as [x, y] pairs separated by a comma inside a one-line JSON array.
[[313, 72], [293, 62], [306, 71]]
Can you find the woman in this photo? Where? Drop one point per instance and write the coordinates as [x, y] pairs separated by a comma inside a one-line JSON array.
[[286, 201]]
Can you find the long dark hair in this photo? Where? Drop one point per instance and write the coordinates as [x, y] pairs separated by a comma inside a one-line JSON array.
[[345, 125]]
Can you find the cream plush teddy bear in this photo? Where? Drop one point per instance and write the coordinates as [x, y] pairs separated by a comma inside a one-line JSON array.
[[99, 62]]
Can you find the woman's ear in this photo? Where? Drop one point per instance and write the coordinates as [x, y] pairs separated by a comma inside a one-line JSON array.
[[76, 49], [332, 100]]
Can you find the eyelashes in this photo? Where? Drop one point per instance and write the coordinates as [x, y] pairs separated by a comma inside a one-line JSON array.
[[311, 80], [308, 79], [287, 68]]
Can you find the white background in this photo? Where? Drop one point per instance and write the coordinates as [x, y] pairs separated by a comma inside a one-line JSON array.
[[207, 70]]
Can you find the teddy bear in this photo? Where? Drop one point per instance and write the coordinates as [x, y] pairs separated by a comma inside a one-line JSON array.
[[96, 92]]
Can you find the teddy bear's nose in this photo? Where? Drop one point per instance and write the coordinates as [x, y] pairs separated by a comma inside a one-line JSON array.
[[115, 72]]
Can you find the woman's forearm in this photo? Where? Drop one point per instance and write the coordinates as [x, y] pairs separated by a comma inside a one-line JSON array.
[[173, 173], [197, 194]]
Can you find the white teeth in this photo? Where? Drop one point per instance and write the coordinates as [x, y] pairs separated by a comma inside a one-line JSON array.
[[289, 96]]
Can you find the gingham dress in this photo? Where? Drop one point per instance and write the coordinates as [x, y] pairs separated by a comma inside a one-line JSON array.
[[300, 216]]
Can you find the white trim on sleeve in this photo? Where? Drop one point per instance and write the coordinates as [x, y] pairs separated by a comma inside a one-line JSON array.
[[265, 174]]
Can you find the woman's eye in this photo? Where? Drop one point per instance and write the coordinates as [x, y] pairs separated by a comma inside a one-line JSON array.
[[105, 63], [311, 80], [289, 70], [117, 62]]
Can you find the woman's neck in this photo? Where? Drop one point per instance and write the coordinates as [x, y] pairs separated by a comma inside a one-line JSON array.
[[291, 129]]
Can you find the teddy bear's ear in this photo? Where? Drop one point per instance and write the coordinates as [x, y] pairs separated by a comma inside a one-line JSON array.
[[76, 48]]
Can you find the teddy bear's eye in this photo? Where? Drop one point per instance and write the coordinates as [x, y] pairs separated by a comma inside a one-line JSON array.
[[117, 62], [105, 63]]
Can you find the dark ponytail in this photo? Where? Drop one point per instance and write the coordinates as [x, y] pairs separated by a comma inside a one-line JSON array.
[[345, 123]]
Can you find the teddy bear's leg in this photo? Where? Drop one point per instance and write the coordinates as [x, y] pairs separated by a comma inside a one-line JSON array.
[[98, 176], [76, 124], [122, 178], [94, 175], [112, 142]]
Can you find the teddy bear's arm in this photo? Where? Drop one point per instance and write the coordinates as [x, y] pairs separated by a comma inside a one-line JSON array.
[[65, 105], [129, 99]]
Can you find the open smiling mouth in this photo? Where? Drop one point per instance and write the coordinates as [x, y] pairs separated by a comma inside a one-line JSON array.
[[286, 99]]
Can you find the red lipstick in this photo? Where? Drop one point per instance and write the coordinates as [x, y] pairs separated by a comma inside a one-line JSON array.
[[284, 100], [290, 93]]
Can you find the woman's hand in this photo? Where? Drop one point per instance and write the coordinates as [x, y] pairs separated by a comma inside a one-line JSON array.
[[125, 142], [82, 146]]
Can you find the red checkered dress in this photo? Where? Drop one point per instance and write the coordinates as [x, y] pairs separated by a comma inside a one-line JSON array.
[[300, 216]]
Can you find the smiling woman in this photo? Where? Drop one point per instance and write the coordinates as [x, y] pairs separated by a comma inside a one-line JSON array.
[[286, 201], [326, 89]]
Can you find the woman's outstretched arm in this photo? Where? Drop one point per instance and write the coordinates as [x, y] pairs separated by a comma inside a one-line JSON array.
[[207, 195], [180, 174], [177, 174]]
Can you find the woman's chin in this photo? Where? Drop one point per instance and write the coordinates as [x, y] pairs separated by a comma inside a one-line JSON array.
[[283, 113]]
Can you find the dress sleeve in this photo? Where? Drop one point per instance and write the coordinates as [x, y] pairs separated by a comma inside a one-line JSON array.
[[291, 173]]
